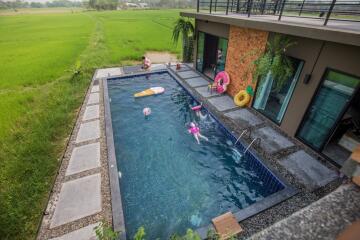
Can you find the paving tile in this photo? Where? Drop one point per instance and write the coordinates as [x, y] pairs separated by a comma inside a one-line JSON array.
[[182, 69], [91, 112], [244, 117], [197, 82], [133, 69], [84, 158], [88, 131], [78, 198], [85, 233], [223, 103], [108, 72], [272, 140], [95, 88], [308, 170], [188, 74], [159, 66], [93, 98], [205, 92]]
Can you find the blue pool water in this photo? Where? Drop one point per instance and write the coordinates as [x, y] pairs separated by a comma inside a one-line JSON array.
[[168, 182]]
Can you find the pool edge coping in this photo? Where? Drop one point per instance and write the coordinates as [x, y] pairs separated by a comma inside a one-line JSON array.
[[115, 192], [117, 210]]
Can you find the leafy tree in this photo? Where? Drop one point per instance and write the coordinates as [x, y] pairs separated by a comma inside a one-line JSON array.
[[105, 232], [184, 28], [140, 234]]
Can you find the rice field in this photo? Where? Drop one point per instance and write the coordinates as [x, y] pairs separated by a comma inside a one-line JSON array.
[[40, 96]]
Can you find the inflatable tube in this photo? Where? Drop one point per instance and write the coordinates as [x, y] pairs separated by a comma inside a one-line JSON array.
[[222, 80], [150, 91], [196, 108], [242, 98]]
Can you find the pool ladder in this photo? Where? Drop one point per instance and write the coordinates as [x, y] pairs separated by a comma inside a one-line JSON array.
[[245, 131], [252, 142]]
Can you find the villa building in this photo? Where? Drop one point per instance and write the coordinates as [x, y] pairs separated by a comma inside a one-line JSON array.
[[320, 103]]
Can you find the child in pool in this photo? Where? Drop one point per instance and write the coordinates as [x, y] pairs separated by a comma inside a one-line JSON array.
[[146, 63], [195, 130]]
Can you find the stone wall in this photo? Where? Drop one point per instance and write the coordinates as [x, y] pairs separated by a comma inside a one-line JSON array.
[[244, 47]]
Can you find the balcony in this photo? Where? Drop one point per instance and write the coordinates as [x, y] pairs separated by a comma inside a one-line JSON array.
[[341, 14]]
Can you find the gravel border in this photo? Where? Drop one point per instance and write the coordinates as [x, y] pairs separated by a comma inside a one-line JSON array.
[[45, 232]]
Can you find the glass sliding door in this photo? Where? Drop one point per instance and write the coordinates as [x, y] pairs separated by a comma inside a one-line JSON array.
[[272, 101], [327, 107], [221, 54], [211, 54], [200, 52]]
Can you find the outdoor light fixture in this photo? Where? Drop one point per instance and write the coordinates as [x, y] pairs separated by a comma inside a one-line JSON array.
[[307, 78]]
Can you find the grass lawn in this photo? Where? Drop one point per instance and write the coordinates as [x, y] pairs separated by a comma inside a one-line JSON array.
[[40, 99]]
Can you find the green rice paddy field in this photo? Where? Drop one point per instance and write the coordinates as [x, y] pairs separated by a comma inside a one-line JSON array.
[[40, 98]]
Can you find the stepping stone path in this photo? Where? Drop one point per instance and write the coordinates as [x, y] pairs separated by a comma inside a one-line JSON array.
[[93, 98], [88, 131], [308, 170], [91, 112], [80, 194], [78, 198], [85, 233], [84, 158]]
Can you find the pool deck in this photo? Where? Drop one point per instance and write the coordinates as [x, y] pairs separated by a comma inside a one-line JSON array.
[[81, 196]]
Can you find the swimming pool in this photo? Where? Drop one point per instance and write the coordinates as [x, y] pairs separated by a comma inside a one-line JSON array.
[[168, 182]]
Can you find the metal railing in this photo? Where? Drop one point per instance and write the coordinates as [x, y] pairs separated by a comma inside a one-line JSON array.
[[317, 9]]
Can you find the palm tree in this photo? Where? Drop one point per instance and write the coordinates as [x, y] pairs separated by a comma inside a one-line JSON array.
[[185, 28]]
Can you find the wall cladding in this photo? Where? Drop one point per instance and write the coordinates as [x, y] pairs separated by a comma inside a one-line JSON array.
[[244, 47]]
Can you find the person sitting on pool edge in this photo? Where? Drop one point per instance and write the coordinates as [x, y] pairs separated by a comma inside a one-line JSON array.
[[195, 130], [146, 63]]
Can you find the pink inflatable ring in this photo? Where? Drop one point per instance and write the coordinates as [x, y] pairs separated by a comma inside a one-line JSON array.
[[222, 80]]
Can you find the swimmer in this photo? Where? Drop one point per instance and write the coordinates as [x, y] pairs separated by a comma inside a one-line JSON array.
[[194, 130], [146, 63], [147, 111]]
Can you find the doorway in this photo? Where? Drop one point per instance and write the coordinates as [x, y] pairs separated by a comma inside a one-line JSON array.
[[331, 124], [211, 54]]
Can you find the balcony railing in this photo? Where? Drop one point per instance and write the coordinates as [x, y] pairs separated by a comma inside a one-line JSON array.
[[317, 9]]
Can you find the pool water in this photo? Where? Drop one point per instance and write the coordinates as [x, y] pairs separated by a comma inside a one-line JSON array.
[[169, 182]]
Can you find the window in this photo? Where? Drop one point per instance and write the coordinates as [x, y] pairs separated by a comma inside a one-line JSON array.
[[273, 102], [327, 107]]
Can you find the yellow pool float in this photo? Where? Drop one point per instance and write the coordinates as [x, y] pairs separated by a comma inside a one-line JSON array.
[[242, 98], [149, 92]]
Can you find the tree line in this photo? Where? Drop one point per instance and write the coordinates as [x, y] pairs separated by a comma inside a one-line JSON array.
[[99, 4], [22, 4]]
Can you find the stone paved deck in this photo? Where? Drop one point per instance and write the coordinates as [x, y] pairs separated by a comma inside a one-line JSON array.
[[223, 103], [108, 72], [197, 82], [244, 117], [188, 74], [308, 170], [272, 140], [205, 92]]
